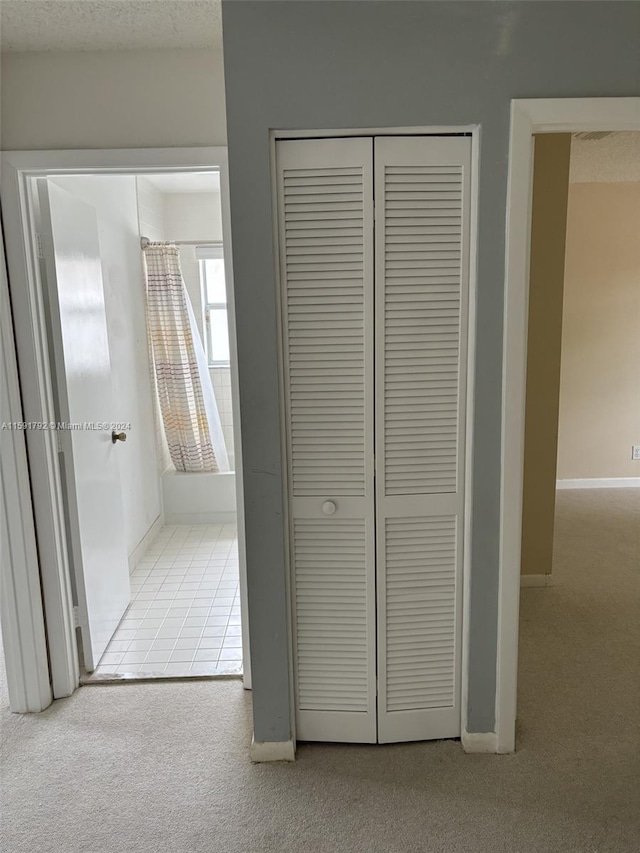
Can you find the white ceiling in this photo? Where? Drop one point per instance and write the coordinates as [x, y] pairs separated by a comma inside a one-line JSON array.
[[613, 159], [186, 182], [109, 24]]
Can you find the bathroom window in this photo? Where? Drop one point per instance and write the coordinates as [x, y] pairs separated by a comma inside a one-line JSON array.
[[214, 300]]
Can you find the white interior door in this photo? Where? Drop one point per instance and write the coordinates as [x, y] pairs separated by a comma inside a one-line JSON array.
[[422, 189], [80, 348], [325, 197]]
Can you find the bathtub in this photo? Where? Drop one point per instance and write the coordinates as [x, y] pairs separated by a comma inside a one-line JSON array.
[[199, 498]]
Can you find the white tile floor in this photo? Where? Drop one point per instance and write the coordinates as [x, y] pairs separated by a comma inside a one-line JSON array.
[[184, 616]]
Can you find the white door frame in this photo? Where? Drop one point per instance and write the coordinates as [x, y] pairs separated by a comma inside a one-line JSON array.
[[468, 739], [557, 115], [23, 632], [30, 340]]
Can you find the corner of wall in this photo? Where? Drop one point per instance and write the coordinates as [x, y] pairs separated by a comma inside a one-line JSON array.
[[141, 548], [266, 751], [479, 742], [547, 261]]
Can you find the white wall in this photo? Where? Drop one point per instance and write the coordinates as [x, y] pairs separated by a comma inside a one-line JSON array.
[[115, 201], [112, 99], [221, 378], [193, 216], [150, 210]]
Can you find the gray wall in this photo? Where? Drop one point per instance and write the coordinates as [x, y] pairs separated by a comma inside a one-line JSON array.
[[357, 64]]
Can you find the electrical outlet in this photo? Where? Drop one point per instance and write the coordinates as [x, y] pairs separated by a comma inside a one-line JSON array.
[[635, 451]]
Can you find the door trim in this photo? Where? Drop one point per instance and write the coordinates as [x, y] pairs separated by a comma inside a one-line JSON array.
[[474, 131], [29, 335], [23, 631], [557, 115]]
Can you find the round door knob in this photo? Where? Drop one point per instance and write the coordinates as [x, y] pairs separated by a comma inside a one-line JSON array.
[[118, 436], [328, 507]]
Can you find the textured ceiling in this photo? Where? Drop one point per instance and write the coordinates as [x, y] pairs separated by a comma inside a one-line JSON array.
[[109, 24], [614, 159]]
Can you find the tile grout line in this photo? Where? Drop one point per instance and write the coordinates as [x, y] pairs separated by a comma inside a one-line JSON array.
[[217, 560]]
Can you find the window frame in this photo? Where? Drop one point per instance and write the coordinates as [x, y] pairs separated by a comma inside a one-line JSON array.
[[211, 251]]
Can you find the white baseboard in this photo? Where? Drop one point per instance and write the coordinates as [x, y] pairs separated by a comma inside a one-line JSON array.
[[200, 518], [139, 551], [536, 580], [486, 742], [262, 751], [600, 483]]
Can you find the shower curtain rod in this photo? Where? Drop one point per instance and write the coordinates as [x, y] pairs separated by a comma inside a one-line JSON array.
[[144, 242]]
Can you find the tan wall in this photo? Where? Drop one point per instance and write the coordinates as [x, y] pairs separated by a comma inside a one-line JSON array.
[[600, 376], [550, 187]]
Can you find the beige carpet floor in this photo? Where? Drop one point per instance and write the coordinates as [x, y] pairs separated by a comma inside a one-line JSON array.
[[164, 767]]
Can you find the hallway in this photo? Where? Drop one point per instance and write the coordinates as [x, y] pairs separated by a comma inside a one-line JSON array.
[[579, 674], [165, 766]]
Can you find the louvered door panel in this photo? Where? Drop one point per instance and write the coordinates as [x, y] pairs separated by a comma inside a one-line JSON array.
[[421, 612], [325, 328], [326, 252], [331, 614], [421, 327], [422, 227]]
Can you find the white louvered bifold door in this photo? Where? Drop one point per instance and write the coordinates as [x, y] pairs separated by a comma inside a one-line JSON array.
[[422, 250], [325, 210]]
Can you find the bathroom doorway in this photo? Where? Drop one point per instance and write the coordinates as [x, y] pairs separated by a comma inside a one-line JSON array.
[[168, 599], [184, 617]]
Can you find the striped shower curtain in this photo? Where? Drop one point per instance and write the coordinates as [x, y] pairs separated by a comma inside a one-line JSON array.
[[189, 412]]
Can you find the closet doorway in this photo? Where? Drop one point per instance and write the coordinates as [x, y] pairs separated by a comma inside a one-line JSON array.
[[132, 280], [375, 252]]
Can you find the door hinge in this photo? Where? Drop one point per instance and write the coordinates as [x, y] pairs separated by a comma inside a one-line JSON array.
[[40, 247], [59, 442], [79, 617]]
